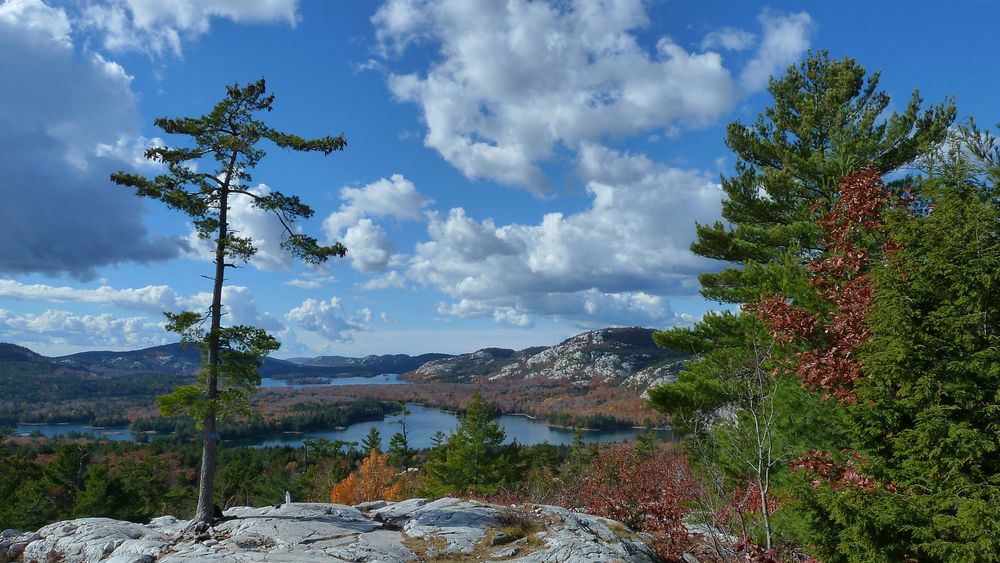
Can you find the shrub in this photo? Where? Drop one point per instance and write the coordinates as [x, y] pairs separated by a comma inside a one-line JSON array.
[[648, 493]]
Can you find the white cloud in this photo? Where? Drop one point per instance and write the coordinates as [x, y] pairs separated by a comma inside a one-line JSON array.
[[515, 83], [55, 329], [39, 19], [519, 79], [388, 280], [311, 280], [395, 197], [614, 263], [368, 246], [785, 38], [158, 27], [728, 38], [239, 304], [327, 319], [149, 298]]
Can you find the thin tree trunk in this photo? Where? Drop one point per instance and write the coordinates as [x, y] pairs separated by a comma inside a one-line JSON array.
[[206, 485]]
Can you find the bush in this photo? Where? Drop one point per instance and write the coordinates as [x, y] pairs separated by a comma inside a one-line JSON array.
[[648, 493], [374, 480]]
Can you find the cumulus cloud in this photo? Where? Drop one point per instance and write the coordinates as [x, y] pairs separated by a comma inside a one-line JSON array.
[[62, 114], [519, 79], [239, 304], [158, 27], [785, 38], [516, 82], [149, 298], [54, 329], [369, 247], [613, 263], [327, 319]]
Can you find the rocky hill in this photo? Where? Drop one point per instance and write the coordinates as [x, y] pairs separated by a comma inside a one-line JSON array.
[[412, 530], [620, 356], [174, 359]]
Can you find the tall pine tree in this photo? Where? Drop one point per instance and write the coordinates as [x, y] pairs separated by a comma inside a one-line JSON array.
[[230, 136], [827, 119]]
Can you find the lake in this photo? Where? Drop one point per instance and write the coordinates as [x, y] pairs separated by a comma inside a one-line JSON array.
[[421, 424], [384, 379]]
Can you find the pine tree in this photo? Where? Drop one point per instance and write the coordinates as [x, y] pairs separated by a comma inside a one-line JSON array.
[[826, 120], [472, 458], [400, 453], [230, 136], [372, 442]]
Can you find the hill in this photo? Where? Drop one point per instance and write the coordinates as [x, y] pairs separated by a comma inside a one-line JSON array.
[[619, 356]]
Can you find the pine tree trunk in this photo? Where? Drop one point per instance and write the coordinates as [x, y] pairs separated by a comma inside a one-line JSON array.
[[206, 485]]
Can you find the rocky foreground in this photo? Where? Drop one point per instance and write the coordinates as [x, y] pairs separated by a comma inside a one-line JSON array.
[[447, 529]]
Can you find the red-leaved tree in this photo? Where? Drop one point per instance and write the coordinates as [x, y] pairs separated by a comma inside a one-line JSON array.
[[648, 493]]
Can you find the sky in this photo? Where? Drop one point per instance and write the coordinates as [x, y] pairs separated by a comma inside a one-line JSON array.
[[516, 172]]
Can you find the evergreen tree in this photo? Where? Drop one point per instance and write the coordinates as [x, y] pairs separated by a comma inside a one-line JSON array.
[[472, 459], [230, 136], [924, 425], [400, 453], [373, 441], [826, 120]]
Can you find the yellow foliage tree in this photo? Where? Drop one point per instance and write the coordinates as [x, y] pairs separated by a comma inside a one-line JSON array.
[[374, 480]]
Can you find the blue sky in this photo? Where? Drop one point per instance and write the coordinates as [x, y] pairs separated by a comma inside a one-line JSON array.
[[516, 172]]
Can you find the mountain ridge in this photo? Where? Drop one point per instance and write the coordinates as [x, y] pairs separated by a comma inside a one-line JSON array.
[[619, 356]]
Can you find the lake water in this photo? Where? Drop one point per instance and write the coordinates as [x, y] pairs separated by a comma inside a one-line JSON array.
[[384, 379], [421, 425], [52, 430]]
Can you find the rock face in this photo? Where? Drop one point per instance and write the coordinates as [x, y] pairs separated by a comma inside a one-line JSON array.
[[621, 356], [412, 530]]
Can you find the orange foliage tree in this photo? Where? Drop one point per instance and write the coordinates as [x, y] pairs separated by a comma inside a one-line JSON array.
[[374, 480]]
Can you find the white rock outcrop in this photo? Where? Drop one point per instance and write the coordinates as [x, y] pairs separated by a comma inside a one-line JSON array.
[[411, 530]]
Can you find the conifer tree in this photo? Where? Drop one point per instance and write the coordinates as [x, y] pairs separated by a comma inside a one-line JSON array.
[[372, 442], [826, 120], [922, 481], [471, 459], [230, 136]]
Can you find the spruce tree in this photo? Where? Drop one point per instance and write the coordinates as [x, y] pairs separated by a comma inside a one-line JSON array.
[[924, 426], [373, 441], [472, 458], [230, 136]]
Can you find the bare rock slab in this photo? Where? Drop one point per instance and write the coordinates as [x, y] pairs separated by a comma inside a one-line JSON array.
[[411, 530]]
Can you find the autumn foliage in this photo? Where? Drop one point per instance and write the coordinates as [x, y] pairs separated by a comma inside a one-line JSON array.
[[374, 480], [647, 492], [842, 281]]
